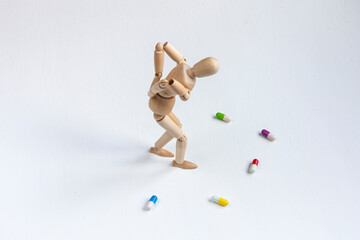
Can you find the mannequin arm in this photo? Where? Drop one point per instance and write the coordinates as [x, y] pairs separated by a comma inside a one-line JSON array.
[[180, 90], [159, 60], [173, 53]]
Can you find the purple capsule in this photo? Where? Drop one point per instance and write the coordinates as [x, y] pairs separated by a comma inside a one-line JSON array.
[[267, 134]]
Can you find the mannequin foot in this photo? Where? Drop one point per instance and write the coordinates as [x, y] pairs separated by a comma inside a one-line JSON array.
[[161, 152], [184, 165]]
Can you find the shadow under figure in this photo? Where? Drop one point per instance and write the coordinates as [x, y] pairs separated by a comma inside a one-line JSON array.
[[180, 81]]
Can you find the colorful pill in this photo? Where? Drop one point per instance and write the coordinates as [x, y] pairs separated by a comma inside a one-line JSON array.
[[150, 204], [222, 116], [267, 134], [253, 166], [219, 200]]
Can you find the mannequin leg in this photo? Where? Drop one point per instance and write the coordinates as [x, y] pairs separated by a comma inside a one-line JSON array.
[[159, 144], [175, 119], [164, 139], [170, 126]]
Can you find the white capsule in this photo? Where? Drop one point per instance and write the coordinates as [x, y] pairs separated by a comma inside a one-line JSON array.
[[215, 199], [149, 205], [227, 119], [271, 137], [252, 168]]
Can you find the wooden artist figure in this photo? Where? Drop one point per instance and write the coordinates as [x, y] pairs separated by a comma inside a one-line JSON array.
[[180, 81]]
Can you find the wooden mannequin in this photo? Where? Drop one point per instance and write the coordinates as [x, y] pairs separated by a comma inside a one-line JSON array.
[[180, 81]]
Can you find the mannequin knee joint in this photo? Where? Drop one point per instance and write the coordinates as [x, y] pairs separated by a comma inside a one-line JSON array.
[[158, 117], [182, 138]]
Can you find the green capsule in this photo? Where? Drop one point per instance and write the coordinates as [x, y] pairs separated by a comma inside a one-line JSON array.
[[222, 116]]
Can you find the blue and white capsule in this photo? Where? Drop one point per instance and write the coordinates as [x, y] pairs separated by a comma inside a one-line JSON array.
[[150, 204]]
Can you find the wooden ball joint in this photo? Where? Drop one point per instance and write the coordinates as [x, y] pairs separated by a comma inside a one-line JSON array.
[[180, 81]]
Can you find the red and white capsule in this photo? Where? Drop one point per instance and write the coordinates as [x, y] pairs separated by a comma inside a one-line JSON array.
[[253, 166]]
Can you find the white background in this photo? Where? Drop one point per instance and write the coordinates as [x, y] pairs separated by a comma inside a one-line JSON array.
[[75, 125]]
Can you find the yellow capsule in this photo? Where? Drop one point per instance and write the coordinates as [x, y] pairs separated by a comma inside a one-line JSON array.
[[219, 200]]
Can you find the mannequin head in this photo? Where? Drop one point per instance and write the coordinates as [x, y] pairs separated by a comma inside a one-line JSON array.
[[206, 67]]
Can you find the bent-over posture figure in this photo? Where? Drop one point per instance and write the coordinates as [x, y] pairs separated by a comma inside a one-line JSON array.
[[180, 81]]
